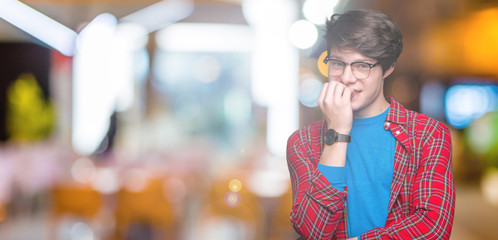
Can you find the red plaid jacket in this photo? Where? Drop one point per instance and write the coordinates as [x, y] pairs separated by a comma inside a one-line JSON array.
[[422, 200]]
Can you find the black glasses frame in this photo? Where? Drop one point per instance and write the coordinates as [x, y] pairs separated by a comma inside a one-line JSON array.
[[328, 59]]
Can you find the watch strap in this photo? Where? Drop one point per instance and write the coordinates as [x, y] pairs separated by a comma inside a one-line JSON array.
[[343, 138]]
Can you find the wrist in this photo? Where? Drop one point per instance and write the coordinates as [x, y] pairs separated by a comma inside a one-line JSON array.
[[340, 129]]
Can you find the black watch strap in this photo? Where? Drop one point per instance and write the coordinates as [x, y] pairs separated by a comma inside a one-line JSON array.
[[343, 138], [331, 136]]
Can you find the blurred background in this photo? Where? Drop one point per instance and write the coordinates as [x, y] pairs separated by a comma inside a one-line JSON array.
[[146, 119]]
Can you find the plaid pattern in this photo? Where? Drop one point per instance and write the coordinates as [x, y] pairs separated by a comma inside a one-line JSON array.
[[422, 200]]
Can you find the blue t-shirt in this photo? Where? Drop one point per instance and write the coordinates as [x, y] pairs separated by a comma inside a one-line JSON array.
[[368, 174]]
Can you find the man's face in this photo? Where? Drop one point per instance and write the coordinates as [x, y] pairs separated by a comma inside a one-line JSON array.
[[368, 98]]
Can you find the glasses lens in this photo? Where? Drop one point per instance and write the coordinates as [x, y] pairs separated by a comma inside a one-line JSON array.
[[360, 70], [336, 67]]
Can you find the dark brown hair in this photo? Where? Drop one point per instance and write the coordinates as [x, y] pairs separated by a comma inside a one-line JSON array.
[[368, 32]]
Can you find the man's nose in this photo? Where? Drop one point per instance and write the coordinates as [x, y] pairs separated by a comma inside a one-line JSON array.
[[347, 76]]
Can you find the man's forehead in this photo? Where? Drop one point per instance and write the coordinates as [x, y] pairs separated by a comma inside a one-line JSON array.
[[347, 53]]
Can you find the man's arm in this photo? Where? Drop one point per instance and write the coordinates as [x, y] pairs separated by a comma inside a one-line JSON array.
[[432, 196], [318, 208]]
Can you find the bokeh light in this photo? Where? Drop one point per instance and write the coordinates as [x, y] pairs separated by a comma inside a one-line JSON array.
[[489, 186], [317, 11], [81, 231], [232, 199], [309, 91], [465, 103], [106, 180], [235, 185], [303, 34], [482, 135], [83, 170]]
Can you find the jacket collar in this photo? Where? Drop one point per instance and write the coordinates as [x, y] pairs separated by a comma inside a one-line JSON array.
[[397, 113]]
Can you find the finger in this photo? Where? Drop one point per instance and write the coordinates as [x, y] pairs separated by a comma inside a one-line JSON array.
[[338, 92], [347, 93], [323, 92], [330, 94]]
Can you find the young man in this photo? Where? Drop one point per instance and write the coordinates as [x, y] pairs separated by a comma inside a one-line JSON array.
[[372, 169]]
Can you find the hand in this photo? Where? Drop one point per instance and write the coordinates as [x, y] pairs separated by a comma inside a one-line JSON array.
[[335, 103], [355, 238]]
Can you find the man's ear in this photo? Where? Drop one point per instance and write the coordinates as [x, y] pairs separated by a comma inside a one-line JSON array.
[[389, 71]]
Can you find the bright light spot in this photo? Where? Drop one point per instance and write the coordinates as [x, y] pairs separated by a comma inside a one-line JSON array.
[[317, 11], [128, 40], [232, 199], [481, 134], [309, 90], [489, 186], [206, 69], [303, 34], [39, 26], [225, 228], [81, 231], [262, 12], [205, 37], [130, 36], [267, 183], [106, 181], [272, 180], [235, 185], [275, 64], [83, 170], [465, 103], [94, 86]]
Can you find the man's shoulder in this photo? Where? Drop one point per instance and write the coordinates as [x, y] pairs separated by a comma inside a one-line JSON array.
[[420, 121]]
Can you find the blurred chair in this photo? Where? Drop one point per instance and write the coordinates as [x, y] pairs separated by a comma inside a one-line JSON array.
[[144, 214], [73, 204], [230, 214]]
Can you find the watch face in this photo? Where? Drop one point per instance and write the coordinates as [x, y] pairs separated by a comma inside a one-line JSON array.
[[330, 136]]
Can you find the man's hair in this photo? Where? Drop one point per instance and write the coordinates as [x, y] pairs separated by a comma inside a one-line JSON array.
[[368, 32]]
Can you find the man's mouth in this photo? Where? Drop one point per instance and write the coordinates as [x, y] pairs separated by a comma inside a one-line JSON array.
[[355, 93]]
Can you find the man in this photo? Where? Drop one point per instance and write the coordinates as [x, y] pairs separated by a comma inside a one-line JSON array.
[[372, 169]]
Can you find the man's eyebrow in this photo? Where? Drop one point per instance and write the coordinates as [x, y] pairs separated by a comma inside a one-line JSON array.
[[357, 60]]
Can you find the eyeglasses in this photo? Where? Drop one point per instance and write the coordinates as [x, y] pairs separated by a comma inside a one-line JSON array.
[[360, 70]]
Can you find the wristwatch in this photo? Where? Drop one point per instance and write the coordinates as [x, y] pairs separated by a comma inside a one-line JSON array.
[[331, 136]]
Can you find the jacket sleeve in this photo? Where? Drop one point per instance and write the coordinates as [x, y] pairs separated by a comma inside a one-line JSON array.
[[317, 209], [432, 196]]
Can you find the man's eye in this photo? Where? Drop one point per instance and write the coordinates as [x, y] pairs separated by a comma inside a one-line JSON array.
[[336, 63], [362, 66]]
